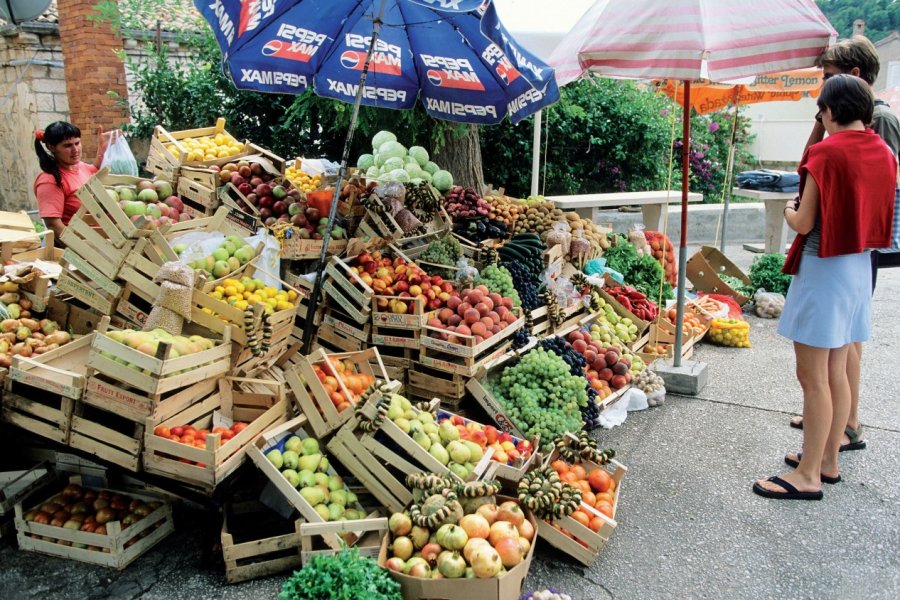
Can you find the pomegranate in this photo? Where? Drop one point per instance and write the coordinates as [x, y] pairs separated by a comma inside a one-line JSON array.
[[420, 570], [475, 526], [430, 552], [488, 511], [525, 545], [510, 552], [471, 546], [486, 562], [526, 530], [500, 530], [451, 565], [510, 511], [419, 536], [395, 564], [400, 523], [402, 547], [451, 537]]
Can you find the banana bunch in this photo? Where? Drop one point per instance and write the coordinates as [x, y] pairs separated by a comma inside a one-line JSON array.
[[543, 492], [583, 448], [526, 249]]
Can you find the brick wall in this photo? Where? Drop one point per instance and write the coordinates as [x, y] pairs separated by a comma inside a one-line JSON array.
[[92, 71]]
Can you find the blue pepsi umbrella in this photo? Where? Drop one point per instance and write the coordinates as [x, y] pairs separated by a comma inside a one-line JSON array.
[[455, 55]]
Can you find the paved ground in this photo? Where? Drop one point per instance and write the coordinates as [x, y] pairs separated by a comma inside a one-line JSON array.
[[689, 526]]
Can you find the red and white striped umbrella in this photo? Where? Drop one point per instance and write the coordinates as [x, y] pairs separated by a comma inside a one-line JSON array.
[[685, 40], [649, 39]]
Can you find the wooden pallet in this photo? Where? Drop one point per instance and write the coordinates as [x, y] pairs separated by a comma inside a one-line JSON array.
[[117, 549], [160, 374], [275, 438], [107, 435], [256, 543], [311, 396], [206, 468]]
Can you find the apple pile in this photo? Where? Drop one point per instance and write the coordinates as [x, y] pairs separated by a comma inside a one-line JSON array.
[[231, 255], [149, 204], [403, 279], [191, 436], [473, 312], [478, 541], [507, 449], [84, 509], [443, 440], [606, 368], [302, 463]]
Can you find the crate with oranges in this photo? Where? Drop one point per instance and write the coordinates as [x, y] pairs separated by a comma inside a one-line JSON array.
[[585, 532], [327, 386]]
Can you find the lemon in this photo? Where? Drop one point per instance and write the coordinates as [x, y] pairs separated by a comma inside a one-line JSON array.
[[272, 302], [283, 305], [241, 305], [254, 299], [292, 295]]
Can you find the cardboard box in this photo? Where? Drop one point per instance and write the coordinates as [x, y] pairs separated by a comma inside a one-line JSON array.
[[703, 271]]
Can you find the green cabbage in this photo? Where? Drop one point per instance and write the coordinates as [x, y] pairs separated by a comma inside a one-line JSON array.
[[373, 172], [393, 163], [442, 180], [381, 137], [420, 154], [365, 161], [430, 168], [398, 175]]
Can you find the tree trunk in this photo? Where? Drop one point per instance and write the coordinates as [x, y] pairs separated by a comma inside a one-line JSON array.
[[461, 155]]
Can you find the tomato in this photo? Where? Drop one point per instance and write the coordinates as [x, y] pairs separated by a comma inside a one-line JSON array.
[[238, 427], [605, 508], [162, 431], [188, 439], [600, 480], [227, 434], [178, 430]]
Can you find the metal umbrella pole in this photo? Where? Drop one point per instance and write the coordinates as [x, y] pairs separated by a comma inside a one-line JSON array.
[[332, 211], [682, 249], [729, 170]]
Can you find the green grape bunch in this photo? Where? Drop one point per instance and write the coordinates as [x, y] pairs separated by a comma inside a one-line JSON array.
[[445, 251], [541, 396], [499, 281]]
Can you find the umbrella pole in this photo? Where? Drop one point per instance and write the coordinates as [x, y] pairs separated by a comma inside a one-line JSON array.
[[332, 211], [536, 154], [728, 174], [682, 249]]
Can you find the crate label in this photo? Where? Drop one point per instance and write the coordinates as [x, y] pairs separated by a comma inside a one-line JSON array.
[[341, 278], [446, 346], [26, 378], [242, 220], [92, 273], [101, 390], [67, 283], [346, 328], [490, 405], [393, 340], [130, 311], [387, 319]]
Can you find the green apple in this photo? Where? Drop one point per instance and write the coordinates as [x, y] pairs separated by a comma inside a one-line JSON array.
[[310, 446], [290, 459], [321, 479]]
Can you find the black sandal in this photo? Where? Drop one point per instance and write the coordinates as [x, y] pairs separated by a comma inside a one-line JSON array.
[[789, 493], [825, 478], [852, 434]]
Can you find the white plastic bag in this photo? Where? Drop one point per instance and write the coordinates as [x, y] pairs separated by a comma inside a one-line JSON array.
[[118, 157], [768, 304]]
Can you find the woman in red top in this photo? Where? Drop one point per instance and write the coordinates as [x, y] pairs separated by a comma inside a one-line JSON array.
[[58, 149], [846, 207]]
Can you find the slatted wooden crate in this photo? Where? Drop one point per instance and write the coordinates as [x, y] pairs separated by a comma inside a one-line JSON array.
[[142, 264], [435, 229], [397, 362], [117, 227], [399, 337], [77, 285], [413, 319], [107, 435], [346, 289], [374, 225], [166, 147], [158, 374], [257, 543], [41, 391], [336, 340], [16, 486], [206, 468], [275, 438], [117, 549], [426, 382], [584, 544], [204, 200], [373, 530], [35, 286], [314, 399], [464, 356], [136, 405], [480, 391]]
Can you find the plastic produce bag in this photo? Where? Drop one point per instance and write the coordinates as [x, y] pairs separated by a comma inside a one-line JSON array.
[[638, 239], [733, 333], [768, 304], [466, 274], [598, 267], [118, 157], [560, 235]]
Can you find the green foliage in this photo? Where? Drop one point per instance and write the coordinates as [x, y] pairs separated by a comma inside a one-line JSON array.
[[882, 17], [604, 136], [343, 576], [765, 272]]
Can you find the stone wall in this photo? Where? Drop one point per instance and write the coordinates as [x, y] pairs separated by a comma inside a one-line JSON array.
[[33, 95]]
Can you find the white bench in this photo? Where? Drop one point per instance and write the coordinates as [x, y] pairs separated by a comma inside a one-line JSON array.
[[776, 226], [588, 206]]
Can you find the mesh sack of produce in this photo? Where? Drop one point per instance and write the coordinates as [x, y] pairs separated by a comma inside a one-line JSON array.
[[662, 250], [733, 333], [768, 305]]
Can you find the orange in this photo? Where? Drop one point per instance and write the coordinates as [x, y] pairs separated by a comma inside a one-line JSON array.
[[560, 466], [567, 477], [600, 480], [605, 497], [596, 524], [581, 517], [588, 498], [579, 471], [605, 508]]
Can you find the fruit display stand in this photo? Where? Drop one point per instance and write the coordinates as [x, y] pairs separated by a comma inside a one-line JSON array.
[[257, 544], [117, 227], [511, 470], [116, 549], [582, 543], [624, 313], [570, 318], [314, 400], [275, 439], [207, 467], [509, 587], [464, 356], [41, 390]]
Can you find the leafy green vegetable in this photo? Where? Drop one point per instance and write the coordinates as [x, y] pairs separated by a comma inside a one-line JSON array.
[[765, 272], [738, 285], [343, 576], [644, 273]]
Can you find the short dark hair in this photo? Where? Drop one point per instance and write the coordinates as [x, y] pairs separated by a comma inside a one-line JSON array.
[[849, 99], [856, 52], [55, 133]]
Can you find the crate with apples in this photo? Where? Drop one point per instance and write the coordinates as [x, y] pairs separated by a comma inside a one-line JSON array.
[[511, 456], [99, 526], [608, 368], [327, 386], [202, 443]]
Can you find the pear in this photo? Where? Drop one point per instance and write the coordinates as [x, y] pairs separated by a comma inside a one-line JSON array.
[[310, 446], [324, 465], [459, 470], [403, 424], [292, 476], [290, 459], [275, 458], [448, 431], [440, 453], [335, 483], [422, 440], [321, 479], [313, 495], [475, 451], [335, 512], [339, 497], [458, 452], [310, 462], [430, 427], [293, 444], [322, 509], [307, 478]]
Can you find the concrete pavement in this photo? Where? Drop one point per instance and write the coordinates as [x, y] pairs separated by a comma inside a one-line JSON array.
[[688, 524]]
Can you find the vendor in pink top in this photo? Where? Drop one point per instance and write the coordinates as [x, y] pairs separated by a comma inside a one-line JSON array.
[[58, 148]]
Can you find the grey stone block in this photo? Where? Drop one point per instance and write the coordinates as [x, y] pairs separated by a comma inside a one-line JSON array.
[[687, 380]]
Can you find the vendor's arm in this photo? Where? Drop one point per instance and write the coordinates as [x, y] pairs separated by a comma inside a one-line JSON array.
[[816, 135], [803, 218], [56, 225], [51, 203], [103, 140]]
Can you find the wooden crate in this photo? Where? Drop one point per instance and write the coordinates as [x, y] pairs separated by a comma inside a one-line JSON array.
[[398, 337], [374, 225], [466, 346], [397, 361], [80, 287], [159, 374], [585, 545], [136, 405], [372, 528], [15, 486], [513, 469], [275, 438], [342, 323], [61, 371], [166, 147], [35, 409], [107, 435], [256, 543], [110, 217], [427, 382], [435, 229], [205, 199], [119, 548], [312, 397], [414, 319], [481, 392], [206, 468], [346, 289], [334, 340]]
